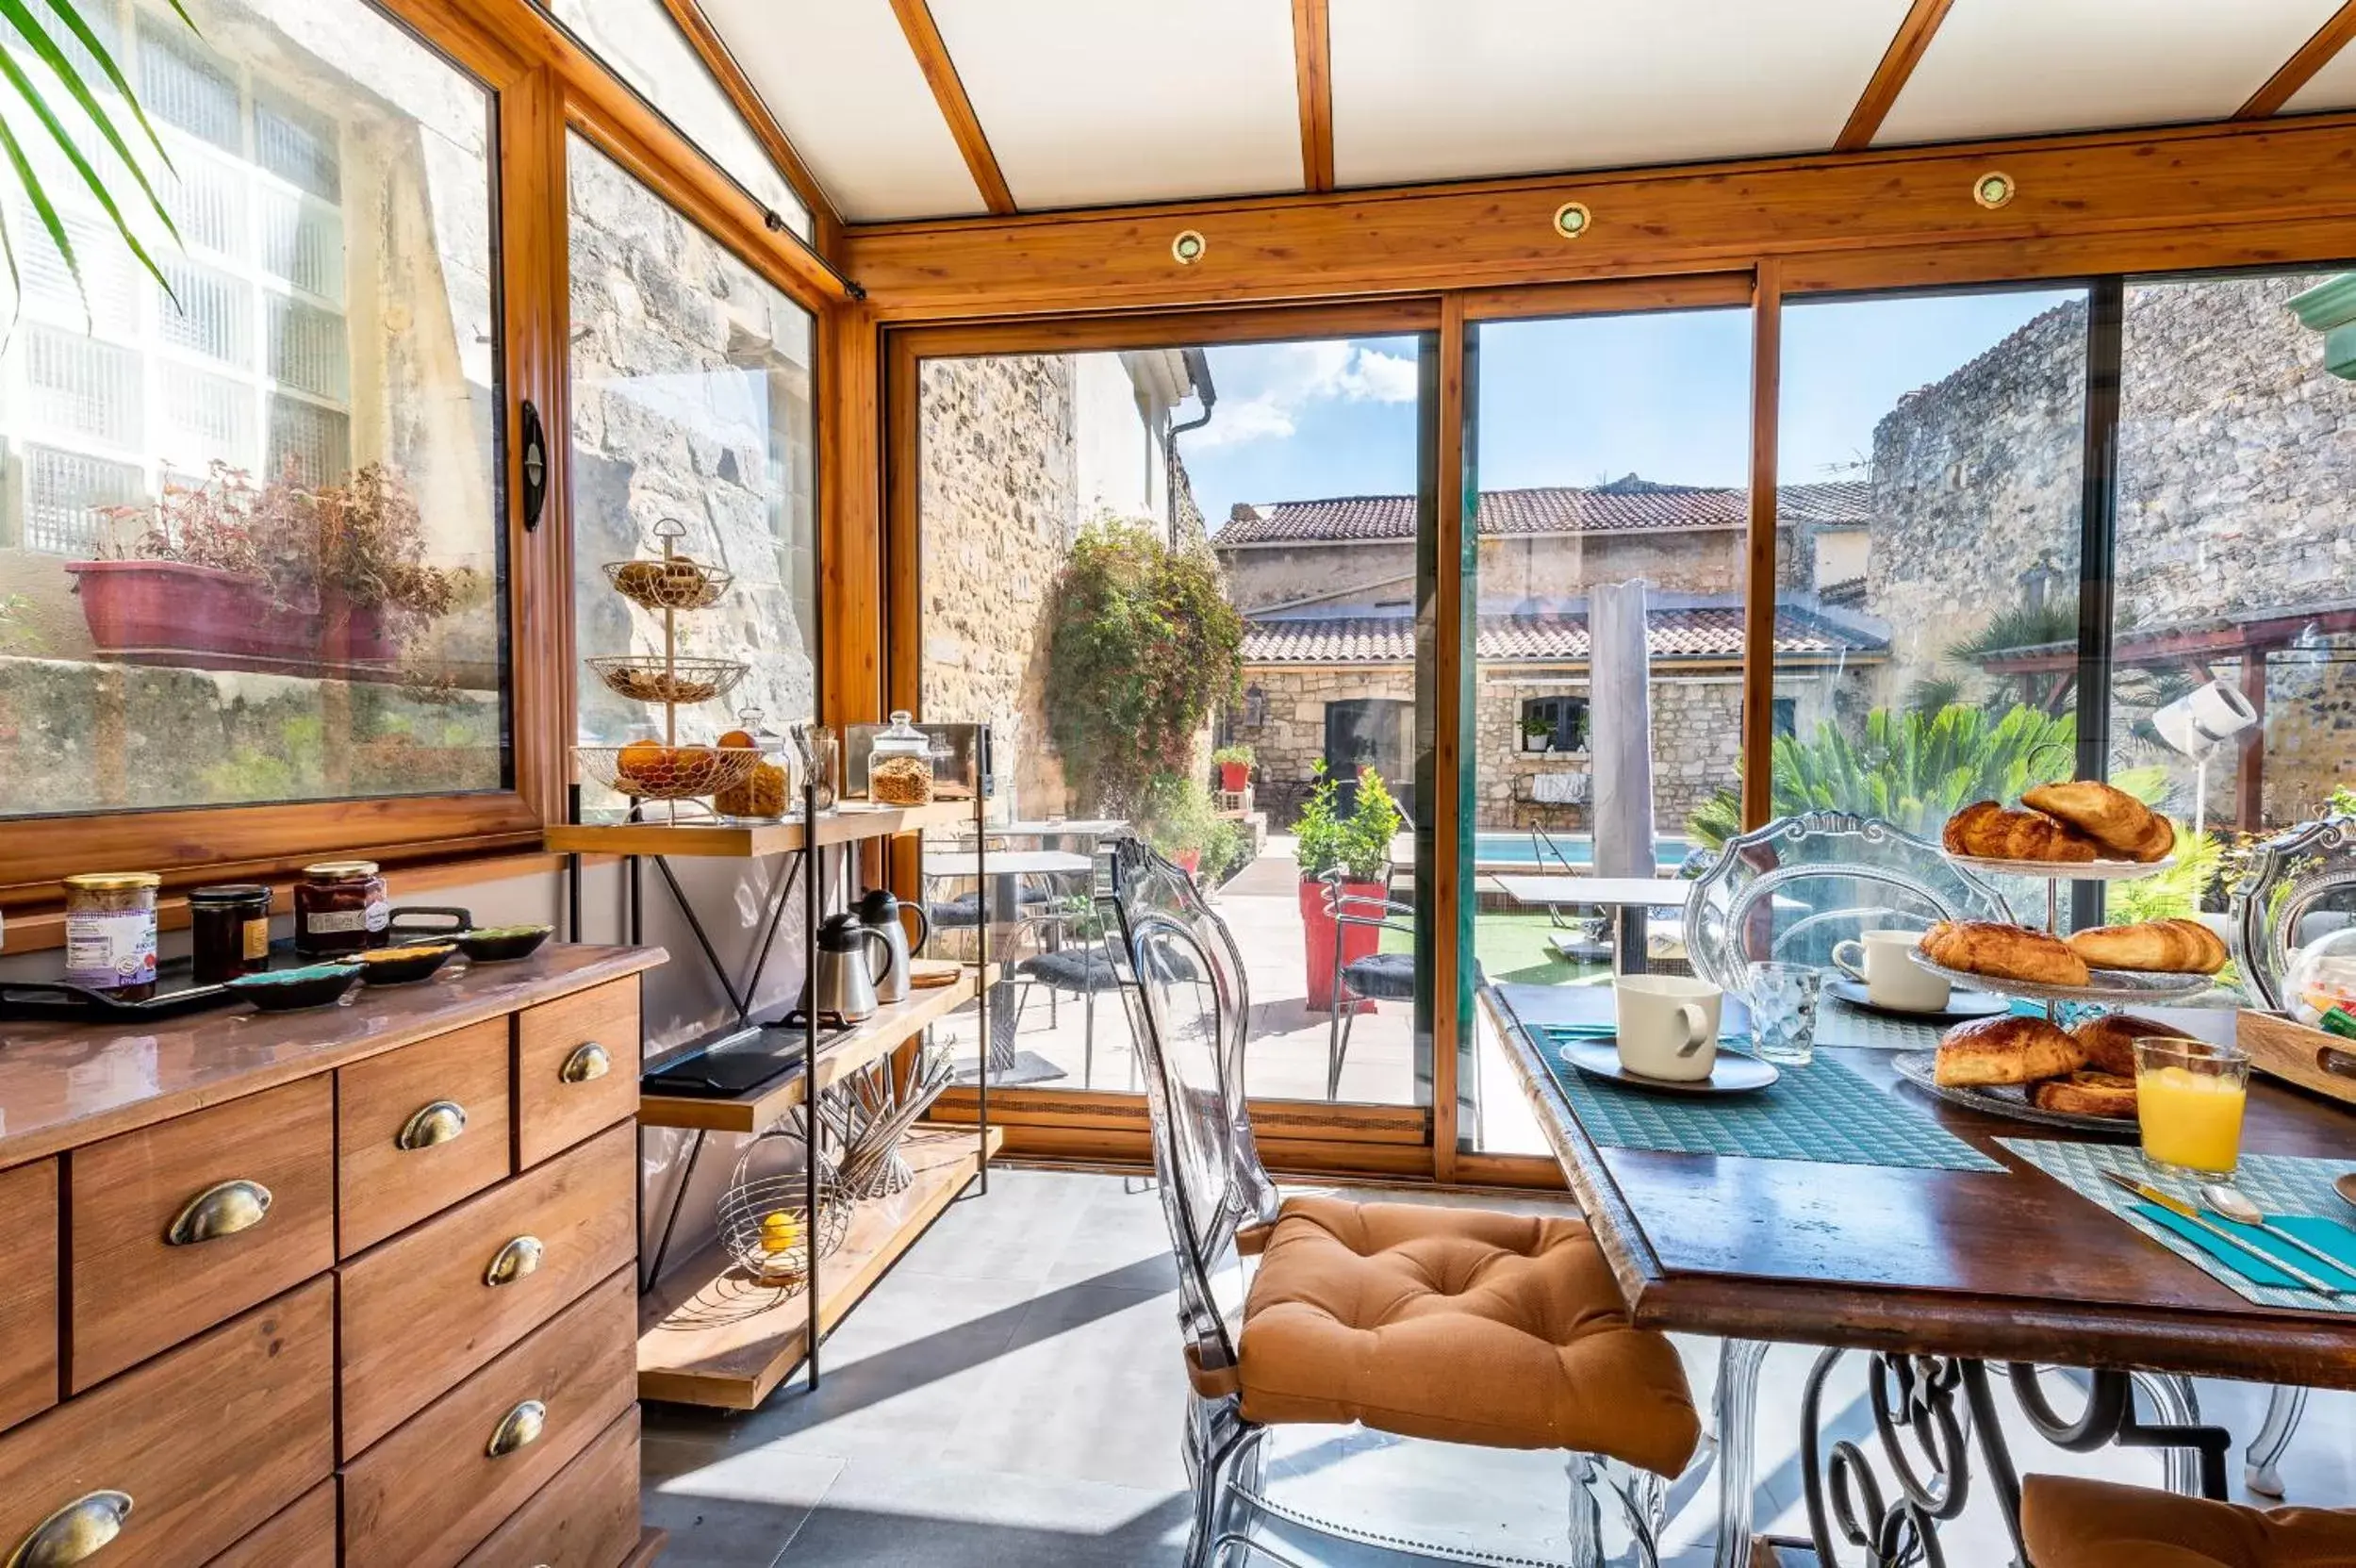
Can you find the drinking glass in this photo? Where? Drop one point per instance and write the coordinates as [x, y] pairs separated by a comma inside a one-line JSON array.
[[2189, 1096], [1782, 998]]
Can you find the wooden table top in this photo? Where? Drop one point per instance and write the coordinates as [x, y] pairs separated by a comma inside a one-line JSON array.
[[2008, 1265], [63, 1085]]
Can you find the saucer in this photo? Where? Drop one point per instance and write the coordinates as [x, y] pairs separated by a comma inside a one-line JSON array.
[[1732, 1073], [1961, 1005]]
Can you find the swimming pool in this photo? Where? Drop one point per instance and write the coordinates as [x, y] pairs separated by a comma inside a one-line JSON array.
[[1501, 850]]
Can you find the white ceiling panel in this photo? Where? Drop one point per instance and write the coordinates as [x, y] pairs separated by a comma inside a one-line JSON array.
[[1088, 102], [844, 86], [2024, 67], [1446, 88], [2333, 87]]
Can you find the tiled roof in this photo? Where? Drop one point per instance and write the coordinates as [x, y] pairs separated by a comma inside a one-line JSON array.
[[1624, 506], [1709, 632]]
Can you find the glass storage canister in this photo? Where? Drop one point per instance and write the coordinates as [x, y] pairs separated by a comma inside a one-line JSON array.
[[899, 765], [229, 930], [111, 933], [339, 907], [767, 790]]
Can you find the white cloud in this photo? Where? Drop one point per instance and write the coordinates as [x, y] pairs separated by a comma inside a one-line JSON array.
[[1265, 389]]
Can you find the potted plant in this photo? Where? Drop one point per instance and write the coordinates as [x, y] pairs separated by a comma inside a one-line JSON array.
[[1360, 846], [1235, 767], [1538, 734], [1178, 818]]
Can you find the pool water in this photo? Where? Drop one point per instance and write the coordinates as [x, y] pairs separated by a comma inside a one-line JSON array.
[[1507, 850]]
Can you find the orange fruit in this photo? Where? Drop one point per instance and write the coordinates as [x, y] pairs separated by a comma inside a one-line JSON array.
[[736, 739], [640, 759]]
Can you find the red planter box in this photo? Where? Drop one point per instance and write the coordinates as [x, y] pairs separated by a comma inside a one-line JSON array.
[[192, 617], [1319, 929], [1234, 776]]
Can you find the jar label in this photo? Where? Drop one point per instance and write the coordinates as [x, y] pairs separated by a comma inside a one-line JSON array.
[[322, 921], [379, 913], [257, 938], [110, 950]]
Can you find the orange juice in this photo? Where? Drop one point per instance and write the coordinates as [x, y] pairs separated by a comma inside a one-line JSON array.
[[2190, 1119]]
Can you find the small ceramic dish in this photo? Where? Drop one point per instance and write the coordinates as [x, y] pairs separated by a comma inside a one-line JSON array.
[[405, 966], [288, 990], [496, 944]]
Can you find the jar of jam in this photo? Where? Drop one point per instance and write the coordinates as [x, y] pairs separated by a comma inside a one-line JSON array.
[[111, 933], [229, 928], [339, 907]]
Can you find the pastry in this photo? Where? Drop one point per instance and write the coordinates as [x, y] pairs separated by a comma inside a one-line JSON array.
[[2109, 1042], [2004, 1049], [2087, 1094], [2003, 952], [2109, 815], [2155, 946], [1990, 832]]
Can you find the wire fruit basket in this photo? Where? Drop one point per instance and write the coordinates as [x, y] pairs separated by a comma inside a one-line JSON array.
[[649, 771], [764, 1214], [673, 582], [651, 678]]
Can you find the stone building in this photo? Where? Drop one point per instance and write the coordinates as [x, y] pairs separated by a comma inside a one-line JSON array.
[[1329, 653]]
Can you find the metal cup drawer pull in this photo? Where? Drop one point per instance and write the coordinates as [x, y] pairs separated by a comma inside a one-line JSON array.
[[512, 1262], [428, 1125], [519, 1427], [75, 1533], [588, 1061], [223, 1209]]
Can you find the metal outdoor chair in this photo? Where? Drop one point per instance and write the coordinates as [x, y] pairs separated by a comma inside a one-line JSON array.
[[1061, 961], [1378, 977], [1792, 890], [1299, 1345]]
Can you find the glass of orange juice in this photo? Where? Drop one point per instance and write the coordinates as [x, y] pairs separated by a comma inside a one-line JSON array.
[[2189, 1096]]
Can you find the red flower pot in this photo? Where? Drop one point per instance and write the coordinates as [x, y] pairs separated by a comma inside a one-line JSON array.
[[1188, 861], [1234, 776], [192, 617], [1319, 930]]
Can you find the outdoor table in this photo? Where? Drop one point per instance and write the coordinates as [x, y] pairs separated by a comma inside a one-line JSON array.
[[1979, 1268], [1627, 897], [1008, 1066]]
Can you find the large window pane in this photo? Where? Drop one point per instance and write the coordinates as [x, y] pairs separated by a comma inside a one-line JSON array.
[[1290, 473], [691, 405], [250, 536]]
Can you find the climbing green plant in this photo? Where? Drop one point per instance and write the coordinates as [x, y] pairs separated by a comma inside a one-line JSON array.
[[1144, 646]]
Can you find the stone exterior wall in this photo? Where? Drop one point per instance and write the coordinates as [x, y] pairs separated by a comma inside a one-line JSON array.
[[1290, 742]]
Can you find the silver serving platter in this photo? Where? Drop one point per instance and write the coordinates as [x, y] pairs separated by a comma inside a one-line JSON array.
[[2110, 985], [1917, 1067], [2064, 870]]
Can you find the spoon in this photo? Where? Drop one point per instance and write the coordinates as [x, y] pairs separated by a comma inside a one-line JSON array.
[[2234, 1205]]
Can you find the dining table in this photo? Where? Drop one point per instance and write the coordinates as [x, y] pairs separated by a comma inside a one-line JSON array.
[[1957, 1275], [1011, 872], [1628, 900]]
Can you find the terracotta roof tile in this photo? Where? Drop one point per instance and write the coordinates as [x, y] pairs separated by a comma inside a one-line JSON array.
[[1708, 631], [1624, 506]]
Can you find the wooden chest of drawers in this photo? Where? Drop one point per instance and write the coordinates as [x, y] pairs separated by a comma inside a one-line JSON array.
[[353, 1287]]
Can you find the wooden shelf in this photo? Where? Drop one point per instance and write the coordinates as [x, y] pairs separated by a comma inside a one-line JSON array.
[[838, 1057], [721, 841], [715, 1335]]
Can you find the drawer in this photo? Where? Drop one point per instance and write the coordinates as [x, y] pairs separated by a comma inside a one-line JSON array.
[[420, 1311], [302, 1536], [429, 1494], [208, 1441], [587, 1517], [28, 1291], [576, 1067], [135, 1289], [419, 1128]]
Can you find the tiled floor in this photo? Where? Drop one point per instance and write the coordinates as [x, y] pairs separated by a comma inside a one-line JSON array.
[[1010, 1395]]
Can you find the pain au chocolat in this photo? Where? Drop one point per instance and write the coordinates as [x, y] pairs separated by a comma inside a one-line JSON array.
[[2002, 1050], [2155, 946], [2112, 818], [1990, 832], [2003, 952]]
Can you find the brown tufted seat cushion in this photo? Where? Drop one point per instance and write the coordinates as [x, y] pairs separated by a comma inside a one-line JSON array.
[[1463, 1325], [2078, 1524]]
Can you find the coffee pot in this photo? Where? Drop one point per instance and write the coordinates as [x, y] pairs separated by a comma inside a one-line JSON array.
[[880, 913], [841, 983]]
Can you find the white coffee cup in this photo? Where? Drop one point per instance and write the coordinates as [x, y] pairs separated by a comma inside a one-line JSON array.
[[1668, 1025], [1891, 977]]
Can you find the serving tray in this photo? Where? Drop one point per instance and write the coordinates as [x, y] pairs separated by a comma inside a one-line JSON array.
[[2064, 870], [2110, 985], [2009, 1100]]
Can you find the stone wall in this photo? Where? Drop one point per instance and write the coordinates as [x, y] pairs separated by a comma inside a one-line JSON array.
[[1290, 742]]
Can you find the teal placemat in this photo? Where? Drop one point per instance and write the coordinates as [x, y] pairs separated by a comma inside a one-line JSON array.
[[1822, 1112], [2277, 1183]]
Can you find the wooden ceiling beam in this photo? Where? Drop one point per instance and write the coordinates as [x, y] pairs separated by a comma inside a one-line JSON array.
[[940, 72], [826, 222], [2300, 68], [1890, 77], [1312, 76]]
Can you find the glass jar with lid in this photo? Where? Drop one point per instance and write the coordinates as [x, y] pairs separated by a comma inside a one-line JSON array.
[[229, 930], [899, 765], [765, 792], [111, 933], [339, 907]]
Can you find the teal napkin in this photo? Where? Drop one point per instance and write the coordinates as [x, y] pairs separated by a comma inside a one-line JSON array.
[[2332, 1237], [1564, 1033]]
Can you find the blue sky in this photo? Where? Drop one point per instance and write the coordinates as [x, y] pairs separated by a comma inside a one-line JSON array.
[[1576, 401]]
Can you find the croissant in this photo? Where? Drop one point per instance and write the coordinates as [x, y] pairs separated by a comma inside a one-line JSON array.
[[2160, 947], [1987, 830], [2109, 817], [2004, 1050], [2003, 952], [2109, 1041], [2087, 1094]]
